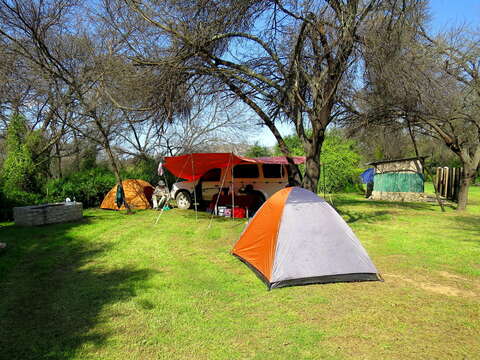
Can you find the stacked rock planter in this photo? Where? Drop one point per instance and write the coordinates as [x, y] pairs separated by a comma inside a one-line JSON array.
[[47, 214]]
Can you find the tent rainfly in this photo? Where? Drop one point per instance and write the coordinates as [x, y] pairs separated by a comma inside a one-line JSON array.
[[297, 238], [138, 195]]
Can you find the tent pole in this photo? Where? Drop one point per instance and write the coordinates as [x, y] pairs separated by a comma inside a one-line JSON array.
[[219, 192], [233, 189], [194, 190]]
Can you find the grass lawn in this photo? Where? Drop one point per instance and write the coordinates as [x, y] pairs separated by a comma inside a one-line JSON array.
[[119, 287]]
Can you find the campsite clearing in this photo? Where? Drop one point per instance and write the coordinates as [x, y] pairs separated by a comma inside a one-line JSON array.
[[116, 286]]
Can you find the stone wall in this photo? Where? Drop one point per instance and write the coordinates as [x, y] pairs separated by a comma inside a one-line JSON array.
[[401, 196], [47, 214]]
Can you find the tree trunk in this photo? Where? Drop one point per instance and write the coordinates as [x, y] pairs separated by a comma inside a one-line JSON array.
[[312, 163], [59, 161], [77, 152], [116, 171], [312, 173], [468, 176], [294, 175]]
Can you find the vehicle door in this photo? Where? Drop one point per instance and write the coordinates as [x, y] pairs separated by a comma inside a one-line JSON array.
[[210, 183]]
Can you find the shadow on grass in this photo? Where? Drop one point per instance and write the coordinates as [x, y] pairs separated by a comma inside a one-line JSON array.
[[469, 225], [354, 216], [51, 296], [430, 206]]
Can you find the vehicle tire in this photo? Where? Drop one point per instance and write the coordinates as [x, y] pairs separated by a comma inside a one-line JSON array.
[[184, 200]]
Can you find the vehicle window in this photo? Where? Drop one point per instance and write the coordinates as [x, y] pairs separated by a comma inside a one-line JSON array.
[[246, 171], [272, 171], [212, 175]]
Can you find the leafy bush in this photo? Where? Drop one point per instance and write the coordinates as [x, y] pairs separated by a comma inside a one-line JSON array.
[[144, 169], [18, 168], [256, 150], [340, 162], [15, 198], [87, 186]]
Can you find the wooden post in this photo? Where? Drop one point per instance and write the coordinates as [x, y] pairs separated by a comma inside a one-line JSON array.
[[445, 188], [449, 188], [437, 177], [440, 181], [457, 184], [452, 183]]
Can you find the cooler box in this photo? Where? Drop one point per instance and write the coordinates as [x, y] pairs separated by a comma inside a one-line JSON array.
[[238, 212]]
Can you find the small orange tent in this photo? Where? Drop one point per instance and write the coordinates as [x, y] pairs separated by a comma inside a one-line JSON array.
[[138, 194]]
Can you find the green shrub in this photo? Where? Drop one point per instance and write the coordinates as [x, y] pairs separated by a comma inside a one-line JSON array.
[[340, 162], [16, 198], [18, 167], [142, 168], [87, 186], [256, 150]]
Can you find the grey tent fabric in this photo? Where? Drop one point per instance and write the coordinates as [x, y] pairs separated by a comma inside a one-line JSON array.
[[314, 241]]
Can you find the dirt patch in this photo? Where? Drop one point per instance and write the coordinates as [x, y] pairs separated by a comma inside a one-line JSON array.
[[435, 288], [448, 275]]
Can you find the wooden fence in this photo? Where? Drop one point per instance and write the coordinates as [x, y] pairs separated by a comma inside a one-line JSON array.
[[447, 181]]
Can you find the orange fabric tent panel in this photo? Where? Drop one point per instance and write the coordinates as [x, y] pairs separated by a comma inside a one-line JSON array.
[[138, 194], [257, 244]]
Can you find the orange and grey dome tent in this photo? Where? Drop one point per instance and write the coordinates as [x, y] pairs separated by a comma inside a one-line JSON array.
[[138, 194], [297, 238]]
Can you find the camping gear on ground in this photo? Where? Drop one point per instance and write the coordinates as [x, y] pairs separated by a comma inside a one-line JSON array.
[[137, 193], [160, 195], [228, 211], [239, 212], [120, 196], [246, 202], [206, 174], [367, 178], [297, 238], [220, 210]]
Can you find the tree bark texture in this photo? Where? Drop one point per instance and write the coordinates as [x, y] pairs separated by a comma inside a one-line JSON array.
[[466, 180], [116, 171], [312, 162]]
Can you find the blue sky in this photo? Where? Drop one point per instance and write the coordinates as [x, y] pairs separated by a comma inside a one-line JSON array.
[[447, 13], [444, 14]]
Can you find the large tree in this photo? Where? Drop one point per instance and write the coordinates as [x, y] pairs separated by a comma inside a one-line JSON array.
[[430, 85], [288, 62], [86, 78]]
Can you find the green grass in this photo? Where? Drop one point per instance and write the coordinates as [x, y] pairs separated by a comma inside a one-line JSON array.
[[120, 287]]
